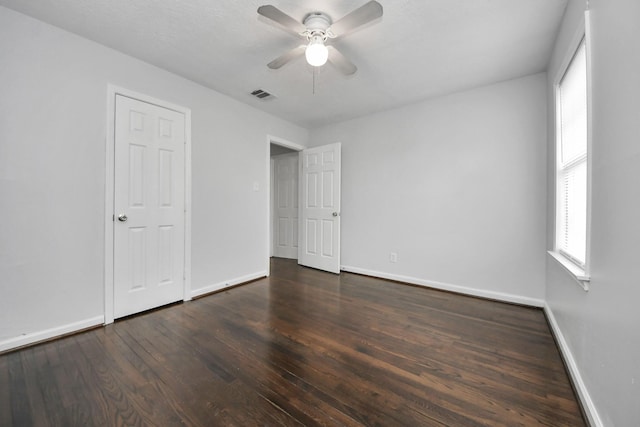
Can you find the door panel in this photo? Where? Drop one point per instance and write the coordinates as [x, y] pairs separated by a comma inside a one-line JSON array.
[[320, 208], [149, 190], [285, 212]]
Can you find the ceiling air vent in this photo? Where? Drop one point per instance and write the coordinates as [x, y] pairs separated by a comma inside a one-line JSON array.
[[261, 94]]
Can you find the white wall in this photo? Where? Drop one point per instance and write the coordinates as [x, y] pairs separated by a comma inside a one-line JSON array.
[[601, 327], [53, 88], [455, 186]]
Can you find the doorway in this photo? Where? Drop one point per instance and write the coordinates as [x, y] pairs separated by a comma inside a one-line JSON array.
[[284, 203], [312, 237], [283, 190]]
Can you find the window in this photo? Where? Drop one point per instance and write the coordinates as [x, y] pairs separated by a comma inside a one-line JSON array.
[[572, 152]]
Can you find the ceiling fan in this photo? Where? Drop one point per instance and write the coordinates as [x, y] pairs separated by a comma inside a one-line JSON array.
[[317, 28]]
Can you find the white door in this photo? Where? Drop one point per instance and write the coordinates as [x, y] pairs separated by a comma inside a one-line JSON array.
[[285, 209], [149, 185], [319, 245]]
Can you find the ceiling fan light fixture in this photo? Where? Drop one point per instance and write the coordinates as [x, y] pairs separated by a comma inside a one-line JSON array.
[[316, 52], [317, 27]]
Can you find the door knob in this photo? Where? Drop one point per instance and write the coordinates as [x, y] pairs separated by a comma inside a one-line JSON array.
[[122, 218], [335, 214]]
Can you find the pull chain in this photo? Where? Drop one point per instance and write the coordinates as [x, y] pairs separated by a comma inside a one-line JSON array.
[[313, 91]]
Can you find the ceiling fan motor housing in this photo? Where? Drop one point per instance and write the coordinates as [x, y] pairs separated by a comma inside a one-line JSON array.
[[317, 24]]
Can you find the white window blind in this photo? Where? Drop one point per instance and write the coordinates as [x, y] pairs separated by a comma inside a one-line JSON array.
[[571, 238]]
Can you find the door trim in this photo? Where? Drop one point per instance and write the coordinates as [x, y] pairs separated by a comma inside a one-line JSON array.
[[283, 143], [112, 91]]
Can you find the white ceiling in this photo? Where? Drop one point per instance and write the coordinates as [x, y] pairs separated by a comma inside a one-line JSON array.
[[419, 49]]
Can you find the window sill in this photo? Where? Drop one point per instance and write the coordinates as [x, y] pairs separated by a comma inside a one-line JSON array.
[[578, 274]]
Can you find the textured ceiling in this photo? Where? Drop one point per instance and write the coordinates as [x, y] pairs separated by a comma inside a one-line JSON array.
[[418, 49]]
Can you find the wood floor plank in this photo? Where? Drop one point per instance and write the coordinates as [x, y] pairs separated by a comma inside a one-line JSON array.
[[21, 412], [42, 387], [213, 390], [5, 393], [351, 384], [250, 371], [300, 348]]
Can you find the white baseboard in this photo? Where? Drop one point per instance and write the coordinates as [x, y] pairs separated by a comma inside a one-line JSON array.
[[499, 296], [58, 331], [35, 337], [232, 282], [583, 394]]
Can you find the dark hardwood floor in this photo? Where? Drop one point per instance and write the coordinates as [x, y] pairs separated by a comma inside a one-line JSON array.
[[300, 348]]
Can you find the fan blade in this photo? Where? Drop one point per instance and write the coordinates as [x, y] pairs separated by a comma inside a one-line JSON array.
[[276, 15], [341, 62], [283, 59], [363, 15]]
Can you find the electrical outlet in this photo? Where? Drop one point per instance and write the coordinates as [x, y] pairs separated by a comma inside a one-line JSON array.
[[393, 257]]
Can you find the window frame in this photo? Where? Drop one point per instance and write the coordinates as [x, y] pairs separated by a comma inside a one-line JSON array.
[[580, 272]]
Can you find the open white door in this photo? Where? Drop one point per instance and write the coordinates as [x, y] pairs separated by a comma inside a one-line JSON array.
[[319, 235]]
